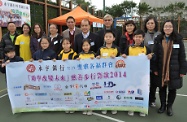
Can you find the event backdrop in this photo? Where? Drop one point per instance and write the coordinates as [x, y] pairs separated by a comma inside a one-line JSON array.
[[19, 13], [98, 84]]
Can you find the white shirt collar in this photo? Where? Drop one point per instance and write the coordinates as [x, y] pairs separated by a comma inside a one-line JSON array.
[[72, 32], [85, 35]]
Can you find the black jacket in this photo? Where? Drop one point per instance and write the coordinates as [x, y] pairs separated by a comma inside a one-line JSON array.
[[47, 54], [5, 41], [56, 44], [115, 31], [177, 66], [123, 44], [15, 59], [94, 41]]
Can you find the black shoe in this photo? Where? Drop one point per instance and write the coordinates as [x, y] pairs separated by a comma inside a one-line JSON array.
[[169, 111], [162, 109]]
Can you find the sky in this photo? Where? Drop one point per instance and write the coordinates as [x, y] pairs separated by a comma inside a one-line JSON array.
[[99, 3]]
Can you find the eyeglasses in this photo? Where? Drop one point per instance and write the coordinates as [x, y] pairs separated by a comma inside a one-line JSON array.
[[168, 27], [107, 20]]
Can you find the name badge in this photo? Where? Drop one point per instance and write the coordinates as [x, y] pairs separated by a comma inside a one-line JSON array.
[[39, 39], [150, 42], [176, 46], [55, 42], [92, 43], [140, 54], [21, 42], [105, 54]]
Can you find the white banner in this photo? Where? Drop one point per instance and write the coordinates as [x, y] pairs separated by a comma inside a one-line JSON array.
[[99, 84], [19, 13]]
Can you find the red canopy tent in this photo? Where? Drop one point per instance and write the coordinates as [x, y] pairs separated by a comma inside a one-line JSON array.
[[79, 14]]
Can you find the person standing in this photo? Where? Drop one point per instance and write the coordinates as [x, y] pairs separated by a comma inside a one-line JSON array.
[[127, 37], [8, 39], [93, 38], [170, 65], [151, 32], [108, 22], [36, 37], [22, 44], [72, 31], [55, 38]]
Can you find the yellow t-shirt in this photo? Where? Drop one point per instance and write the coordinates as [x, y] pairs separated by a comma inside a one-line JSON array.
[[88, 55], [67, 55], [135, 51], [24, 44]]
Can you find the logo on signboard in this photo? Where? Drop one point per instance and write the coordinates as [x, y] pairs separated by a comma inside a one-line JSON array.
[[99, 97], [120, 64], [41, 94], [31, 68], [95, 86], [57, 87], [109, 84], [138, 98], [130, 91], [128, 98], [31, 87], [67, 94], [121, 91], [139, 91], [118, 97], [90, 98], [87, 93]]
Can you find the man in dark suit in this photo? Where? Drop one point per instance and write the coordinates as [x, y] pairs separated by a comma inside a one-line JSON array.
[[94, 38], [108, 22]]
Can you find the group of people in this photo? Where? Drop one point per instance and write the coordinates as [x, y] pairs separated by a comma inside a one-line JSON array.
[[165, 49]]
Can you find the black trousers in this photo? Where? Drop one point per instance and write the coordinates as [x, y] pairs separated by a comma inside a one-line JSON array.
[[170, 96], [153, 87]]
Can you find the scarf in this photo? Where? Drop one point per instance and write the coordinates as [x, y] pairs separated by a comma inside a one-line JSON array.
[[167, 49], [130, 41]]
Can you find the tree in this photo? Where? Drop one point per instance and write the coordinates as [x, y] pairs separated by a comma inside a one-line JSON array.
[[125, 8], [175, 9], [142, 10]]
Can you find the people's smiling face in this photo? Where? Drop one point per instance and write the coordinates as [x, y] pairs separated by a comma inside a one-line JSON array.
[[37, 29], [11, 54], [168, 28], [150, 25], [138, 39], [85, 27], [44, 43], [130, 28], [11, 27], [70, 23], [108, 22], [66, 45], [26, 29], [109, 38], [53, 29], [86, 47]]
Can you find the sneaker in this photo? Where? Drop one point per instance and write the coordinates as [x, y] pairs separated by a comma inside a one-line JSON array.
[[114, 112], [131, 113], [153, 104], [89, 113], [67, 112], [142, 114], [104, 112], [71, 112], [84, 112]]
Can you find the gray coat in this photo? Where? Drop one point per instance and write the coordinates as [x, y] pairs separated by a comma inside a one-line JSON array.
[[148, 41], [65, 33]]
